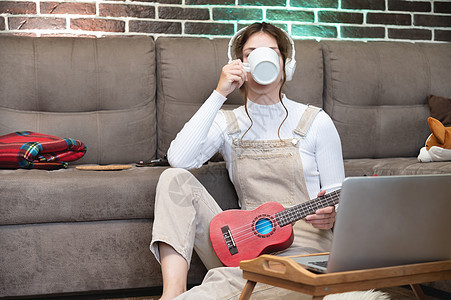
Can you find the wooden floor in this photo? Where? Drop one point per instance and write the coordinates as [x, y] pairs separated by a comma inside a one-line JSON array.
[[396, 293]]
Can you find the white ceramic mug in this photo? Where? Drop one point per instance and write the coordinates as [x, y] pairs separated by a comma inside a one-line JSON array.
[[263, 64]]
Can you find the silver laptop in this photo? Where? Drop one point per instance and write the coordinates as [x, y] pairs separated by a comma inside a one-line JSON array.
[[389, 220]]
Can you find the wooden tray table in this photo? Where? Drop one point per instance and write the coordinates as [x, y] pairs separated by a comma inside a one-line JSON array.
[[286, 273]]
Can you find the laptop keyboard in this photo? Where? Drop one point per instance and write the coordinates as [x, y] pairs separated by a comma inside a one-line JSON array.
[[320, 263]]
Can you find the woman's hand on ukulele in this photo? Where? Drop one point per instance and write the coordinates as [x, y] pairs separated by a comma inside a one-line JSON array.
[[233, 75], [324, 218]]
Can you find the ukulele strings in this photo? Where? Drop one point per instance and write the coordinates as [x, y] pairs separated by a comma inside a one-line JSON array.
[[292, 211], [247, 233], [243, 233]]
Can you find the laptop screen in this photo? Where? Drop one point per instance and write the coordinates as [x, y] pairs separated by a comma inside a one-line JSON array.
[[391, 220]]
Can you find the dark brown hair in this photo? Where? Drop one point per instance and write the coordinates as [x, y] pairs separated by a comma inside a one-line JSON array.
[[284, 46]]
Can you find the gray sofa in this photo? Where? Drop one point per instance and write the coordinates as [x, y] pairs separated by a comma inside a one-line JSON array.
[[72, 231]]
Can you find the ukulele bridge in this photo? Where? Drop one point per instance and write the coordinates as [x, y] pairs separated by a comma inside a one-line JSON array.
[[228, 238]]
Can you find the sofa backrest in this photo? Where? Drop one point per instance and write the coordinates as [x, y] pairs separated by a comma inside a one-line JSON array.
[[376, 93], [102, 91], [188, 71], [99, 91]]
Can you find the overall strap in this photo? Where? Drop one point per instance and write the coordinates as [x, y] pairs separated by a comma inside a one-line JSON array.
[[306, 120], [232, 122]]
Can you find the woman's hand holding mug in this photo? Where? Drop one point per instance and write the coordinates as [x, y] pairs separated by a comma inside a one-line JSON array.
[[233, 75]]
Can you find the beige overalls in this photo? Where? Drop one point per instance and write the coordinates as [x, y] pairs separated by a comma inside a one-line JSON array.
[[262, 171]]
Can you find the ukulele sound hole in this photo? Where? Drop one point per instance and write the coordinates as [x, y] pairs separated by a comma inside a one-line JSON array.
[[263, 226]]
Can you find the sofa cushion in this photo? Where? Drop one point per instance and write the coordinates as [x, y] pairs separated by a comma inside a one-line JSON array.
[[99, 91], [188, 71], [71, 195], [57, 258], [393, 166], [440, 108], [37, 196], [376, 93], [307, 84]]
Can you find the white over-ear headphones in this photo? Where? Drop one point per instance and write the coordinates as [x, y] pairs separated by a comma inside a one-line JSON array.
[[290, 63]]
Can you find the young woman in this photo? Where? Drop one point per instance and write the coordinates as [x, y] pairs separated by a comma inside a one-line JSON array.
[[267, 157]]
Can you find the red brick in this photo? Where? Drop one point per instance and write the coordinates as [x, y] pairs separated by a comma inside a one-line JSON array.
[[178, 13], [155, 27], [362, 32], [340, 17], [314, 4], [97, 25], [290, 15], [127, 10], [443, 35], [410, 34], [68, 8], [22, 23], [2, 23], [237, 13], [32, 34], [442, 7], [432, 21], [210, 2], [209, 28], [17, 8], [159, 1], [314, 31], [411, 6], [363, 4], [389, 19], [262, 2]]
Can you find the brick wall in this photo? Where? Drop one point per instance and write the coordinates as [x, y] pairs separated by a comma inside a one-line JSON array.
[[417, 20]]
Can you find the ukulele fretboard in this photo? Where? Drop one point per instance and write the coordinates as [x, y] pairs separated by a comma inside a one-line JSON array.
[[302, 210]]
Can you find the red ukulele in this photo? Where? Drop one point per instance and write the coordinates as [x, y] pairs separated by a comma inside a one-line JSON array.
[[238, 235]]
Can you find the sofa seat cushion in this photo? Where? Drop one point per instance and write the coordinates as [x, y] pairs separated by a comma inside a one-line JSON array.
[[393, 166], [71, 195], [67, 195]]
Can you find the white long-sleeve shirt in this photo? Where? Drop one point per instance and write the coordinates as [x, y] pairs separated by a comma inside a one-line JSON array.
[[206, 133]]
